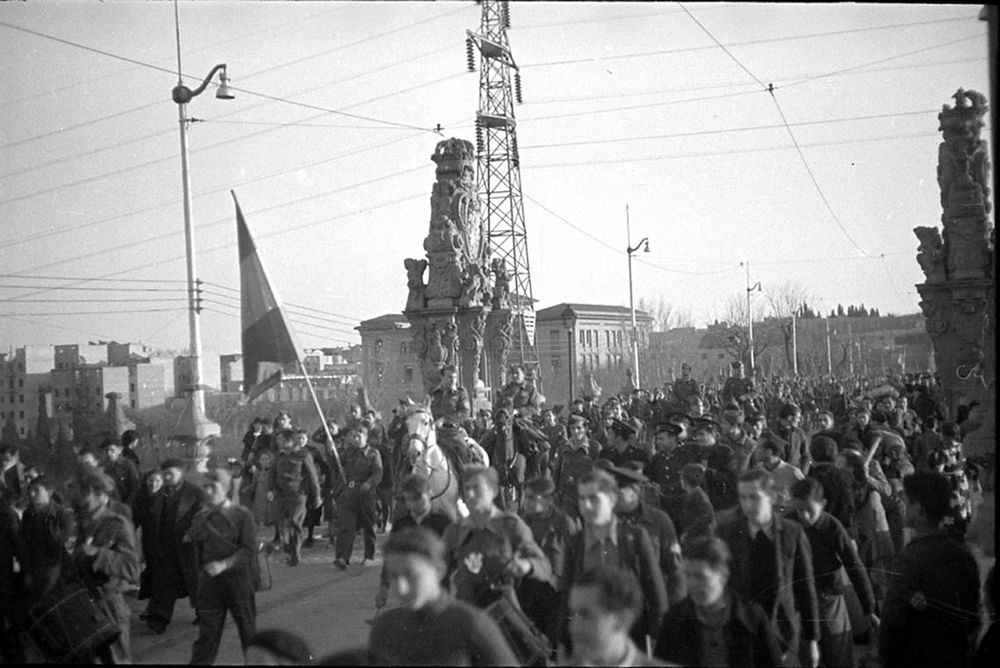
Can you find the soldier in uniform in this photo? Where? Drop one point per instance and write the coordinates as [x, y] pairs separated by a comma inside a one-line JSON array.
[[225, 544], [295, 485], [738, 387], [521, 394], [356, 500], [576, 459], [789, 431], [122, 471], [685, 388], [106, 558], [621, 445], [449, 402], [632, 509], [665, 468]]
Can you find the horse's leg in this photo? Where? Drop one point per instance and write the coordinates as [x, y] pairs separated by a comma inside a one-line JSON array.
[[518, 469]]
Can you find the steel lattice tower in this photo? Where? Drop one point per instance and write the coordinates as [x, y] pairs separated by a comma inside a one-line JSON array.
[[498, 168]]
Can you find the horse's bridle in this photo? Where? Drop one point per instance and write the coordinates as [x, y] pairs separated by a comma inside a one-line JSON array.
[[423, 440]]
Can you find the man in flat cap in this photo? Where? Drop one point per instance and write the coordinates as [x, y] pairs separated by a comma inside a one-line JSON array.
[[621, 444], [633, 509]]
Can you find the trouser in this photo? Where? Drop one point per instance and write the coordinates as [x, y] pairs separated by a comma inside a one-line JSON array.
[[540, 602], [11, 649], [114, 605], [356, 506], [292, 513], [836, 640], [232, 592], [172, 573], [385, 498]]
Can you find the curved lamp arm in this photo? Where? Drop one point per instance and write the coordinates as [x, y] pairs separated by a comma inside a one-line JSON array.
[[182, 94]]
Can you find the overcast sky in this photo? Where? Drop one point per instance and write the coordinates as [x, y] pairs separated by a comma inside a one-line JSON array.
[[623, 104]]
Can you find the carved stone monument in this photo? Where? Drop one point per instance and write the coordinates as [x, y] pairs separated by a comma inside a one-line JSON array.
[[451, 313], [959, 293]]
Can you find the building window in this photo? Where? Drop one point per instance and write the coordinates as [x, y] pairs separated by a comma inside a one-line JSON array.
[[722, 355], [22, 414], [607, 336], [97, 391], [131, 388], [22, 431], [589, 338], [704, 356], [582, 338], [20, 399], [408, 374], [20, 382], [132, 403]]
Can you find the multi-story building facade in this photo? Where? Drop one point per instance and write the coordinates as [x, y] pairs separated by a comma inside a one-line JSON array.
[[579, 340], [390, 369]]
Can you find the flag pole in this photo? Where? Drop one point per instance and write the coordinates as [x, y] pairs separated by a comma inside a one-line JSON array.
[[331, 448]]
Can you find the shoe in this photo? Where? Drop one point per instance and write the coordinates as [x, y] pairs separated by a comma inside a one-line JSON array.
[[367, 562], [293, 560], [309, 542], [340, 563]]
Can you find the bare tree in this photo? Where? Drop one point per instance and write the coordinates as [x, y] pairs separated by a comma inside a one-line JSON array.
[[784, 300], [665, 316]]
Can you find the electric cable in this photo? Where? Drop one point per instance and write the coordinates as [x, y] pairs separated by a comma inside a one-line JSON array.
[[65, 313], [721, 46]]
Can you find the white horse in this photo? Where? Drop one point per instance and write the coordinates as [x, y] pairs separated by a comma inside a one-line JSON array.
[[431, 462]]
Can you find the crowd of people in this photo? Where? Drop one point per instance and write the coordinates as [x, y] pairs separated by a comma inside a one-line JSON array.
[[793, 522]]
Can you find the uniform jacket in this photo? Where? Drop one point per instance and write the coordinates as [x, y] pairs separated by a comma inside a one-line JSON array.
[[504, 537], [126, 476], [294, 473], [362, 465], [796, 586], [228, 534], [666, 546], [752, 641], [797, 448], [451, 405], [930, 616], [188, 499], [524, 398], [572, 465], [635, 553], [116, 563], [45, 533]]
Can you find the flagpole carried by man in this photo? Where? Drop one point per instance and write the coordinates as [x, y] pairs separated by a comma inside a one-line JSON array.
[[268, 342]]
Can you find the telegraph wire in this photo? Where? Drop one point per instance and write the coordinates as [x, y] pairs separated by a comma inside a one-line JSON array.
[[77, 278], [130, 300], [115, 289], [707, 154], [295, 168], [766, 40], [815, 182], [737, 84], [68, 329], [230, 246], [292, 311], [215, 223], [721, 46], [696, 133], [65, 313], [347, 319]]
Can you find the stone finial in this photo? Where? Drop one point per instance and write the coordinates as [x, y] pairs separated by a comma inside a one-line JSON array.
[[930, 253]]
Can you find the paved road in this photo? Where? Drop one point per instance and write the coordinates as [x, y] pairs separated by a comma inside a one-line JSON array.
[[327, 607]]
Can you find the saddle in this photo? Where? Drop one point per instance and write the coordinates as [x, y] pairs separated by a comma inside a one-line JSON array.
[[452, 441]]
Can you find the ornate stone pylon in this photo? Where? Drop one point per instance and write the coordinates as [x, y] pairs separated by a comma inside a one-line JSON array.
[[448, 314], [959, 294]]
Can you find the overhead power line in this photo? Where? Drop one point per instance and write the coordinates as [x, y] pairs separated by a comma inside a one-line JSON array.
[[102, 312], [752, 42], [721, 46]]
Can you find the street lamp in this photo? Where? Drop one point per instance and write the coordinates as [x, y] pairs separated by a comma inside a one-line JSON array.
[[755, 286], [568, 318], [629, 249], [194, 427]]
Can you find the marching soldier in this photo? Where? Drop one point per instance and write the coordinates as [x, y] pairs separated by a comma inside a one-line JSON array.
[[621, 445], [356, 501], [576, 459], [294, 484], [685, 388], [665, 467], [738, 387]]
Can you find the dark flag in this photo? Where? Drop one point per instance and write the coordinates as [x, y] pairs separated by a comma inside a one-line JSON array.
[[268, 345]]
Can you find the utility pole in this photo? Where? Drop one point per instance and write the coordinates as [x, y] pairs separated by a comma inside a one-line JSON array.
[[795, 346], [499, 172], [631, 302], [750, 289], [829, 357]]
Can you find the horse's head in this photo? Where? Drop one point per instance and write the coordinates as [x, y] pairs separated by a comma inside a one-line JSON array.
[[419, 428]]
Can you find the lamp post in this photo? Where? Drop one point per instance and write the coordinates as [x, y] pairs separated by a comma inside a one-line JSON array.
[[629, 249], [755, 286], [569, 320], [194, 426]]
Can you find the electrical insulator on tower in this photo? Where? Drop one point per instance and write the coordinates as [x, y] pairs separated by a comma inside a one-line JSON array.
[[505, 13], [470, 54], [479, 136], [517, 87]]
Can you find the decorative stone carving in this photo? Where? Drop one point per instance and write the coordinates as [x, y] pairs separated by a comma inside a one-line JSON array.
[[415, 282], [930, 253], [963, 158], [475, 290], [501, 285]]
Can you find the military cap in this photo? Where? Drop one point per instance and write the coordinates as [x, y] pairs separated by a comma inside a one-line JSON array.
[[668, 428], [603, 463], [704, 424], [623, 429], [577, 419], [626, 475]]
